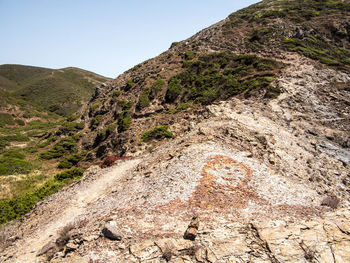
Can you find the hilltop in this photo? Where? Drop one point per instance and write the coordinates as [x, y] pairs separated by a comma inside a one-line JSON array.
[[231, 146], [62, 91]]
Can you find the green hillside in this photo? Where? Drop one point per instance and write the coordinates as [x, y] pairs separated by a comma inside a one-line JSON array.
[[62, 91]]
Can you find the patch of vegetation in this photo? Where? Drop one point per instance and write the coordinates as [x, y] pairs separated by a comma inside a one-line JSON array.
[[174, 89], [296, 10], [71, 160], [189, 55], [64, 146], [12, 162], [5, 140], [181, 107], [318, 48], [6, 119], [69, 174], [96, 121], [129, 85], [94, 107], [16, 207], [220, 76], [20, 122], [116, 93], [70, 128], [47, 142], [124, 121], [174, 44], [125, 105], [124, 118], [158, 133], [157, 87], [144, 100], [73, 117]]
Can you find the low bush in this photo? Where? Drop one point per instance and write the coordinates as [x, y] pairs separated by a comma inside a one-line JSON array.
[[144, 100], [71, 160], [70, 128], [20, 122], [69, 174], [94, 107], [156, 87], [158, 132], [6, 119], [189, 55], [47, 142], [64, 146], [96, 121], [9, 165]]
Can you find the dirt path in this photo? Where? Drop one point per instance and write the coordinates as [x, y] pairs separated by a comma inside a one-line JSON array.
[[85, 195]]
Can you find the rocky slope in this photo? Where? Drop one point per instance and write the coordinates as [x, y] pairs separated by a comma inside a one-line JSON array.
[[253, 167]]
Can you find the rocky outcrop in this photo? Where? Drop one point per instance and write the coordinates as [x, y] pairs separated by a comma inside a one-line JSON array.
[[322, 240]]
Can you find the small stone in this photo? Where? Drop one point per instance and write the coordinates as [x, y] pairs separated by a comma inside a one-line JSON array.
[[192, 229], [190, 233], [110, 231], [71, 246]]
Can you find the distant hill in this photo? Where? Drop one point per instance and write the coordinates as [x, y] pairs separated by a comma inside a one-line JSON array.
[[62, 91]]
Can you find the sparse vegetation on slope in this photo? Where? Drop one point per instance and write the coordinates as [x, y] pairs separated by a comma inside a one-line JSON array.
[[158, 132], [222, 75], [16, 207]]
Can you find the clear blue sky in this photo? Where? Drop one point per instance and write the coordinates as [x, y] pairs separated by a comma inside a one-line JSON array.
[[103, 36]]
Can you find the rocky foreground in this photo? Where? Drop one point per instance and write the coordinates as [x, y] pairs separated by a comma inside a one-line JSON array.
[[249, 182]]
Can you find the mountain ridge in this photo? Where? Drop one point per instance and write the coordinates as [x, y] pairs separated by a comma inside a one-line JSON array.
[[49, 88]]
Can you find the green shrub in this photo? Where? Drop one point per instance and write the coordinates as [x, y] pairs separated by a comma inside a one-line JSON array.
[[64, 146], [158, 132], [47, 142], [96, 121], [71, 160], [15, 138], [12, 162], [144, 99], [73, 117], [94, 107], [6, 119], [125, 105], [116, 93], [189, 55], [174, 89], [69, 174], [20, 122], [174, 44], [14, 154], [124, 122], [111, 128], [70, 127], [157, 87]]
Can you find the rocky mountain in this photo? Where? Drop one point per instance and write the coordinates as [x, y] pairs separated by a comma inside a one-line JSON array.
[[62, 91], [231, 146]]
